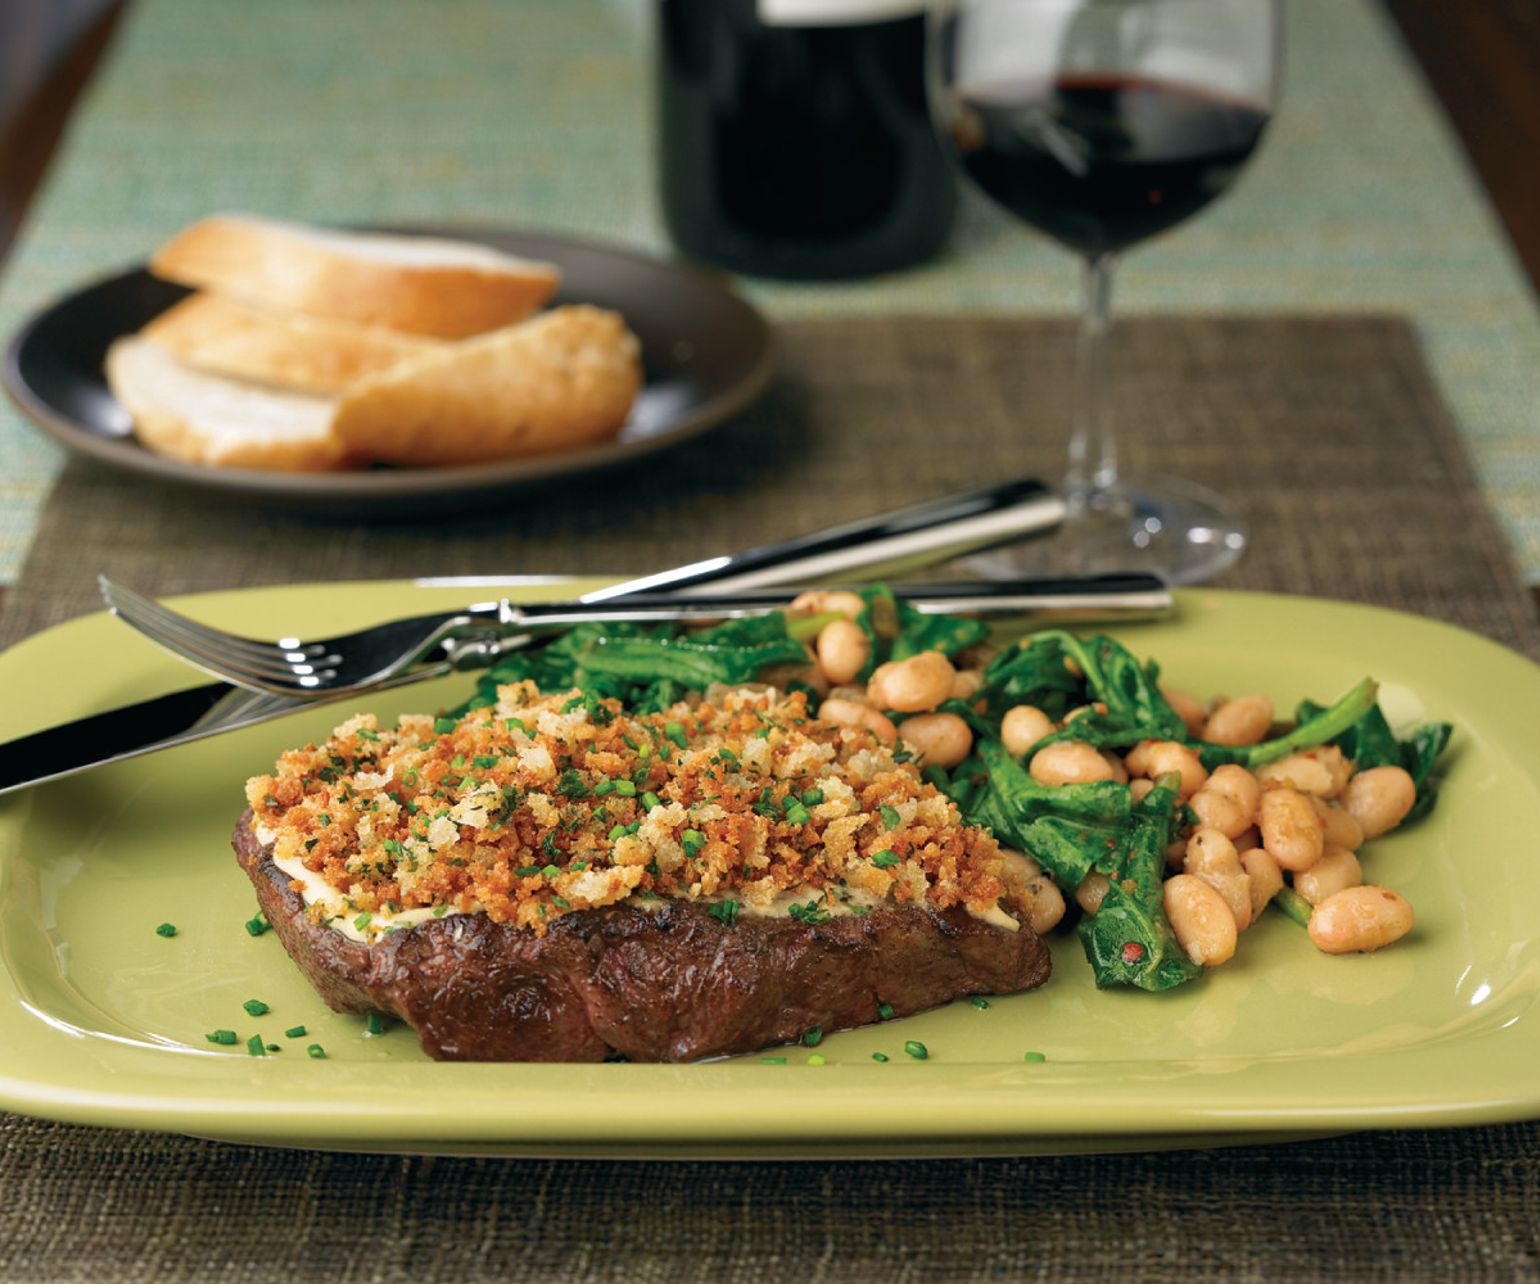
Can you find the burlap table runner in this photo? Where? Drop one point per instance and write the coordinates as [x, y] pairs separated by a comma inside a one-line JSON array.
[[1331, 436]]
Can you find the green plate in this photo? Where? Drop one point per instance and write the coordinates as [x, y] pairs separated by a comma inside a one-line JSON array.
[[103, 1022]]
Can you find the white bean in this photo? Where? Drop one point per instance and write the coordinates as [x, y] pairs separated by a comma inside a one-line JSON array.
[[1266, 879], [1337, 869], [848, 713], [843, 648], [1068, 762], [942, 739], [1201, 920], [1338, 825], [1022, 727], [1034, 893], [822, 601], [1379, 799], [1360, 918], [914, 685], [1213, 858], [1291, 831], [1187, 709], [1242, 721]]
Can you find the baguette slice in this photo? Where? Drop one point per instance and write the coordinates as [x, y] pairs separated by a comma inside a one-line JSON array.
[[558, 381], [284, 349], [207, 419], [422, 285]]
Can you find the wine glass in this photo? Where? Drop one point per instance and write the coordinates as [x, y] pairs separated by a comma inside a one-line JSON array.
[[1101, 123]]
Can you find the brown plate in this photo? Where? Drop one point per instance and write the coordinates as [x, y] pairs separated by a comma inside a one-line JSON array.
[[706, 352]]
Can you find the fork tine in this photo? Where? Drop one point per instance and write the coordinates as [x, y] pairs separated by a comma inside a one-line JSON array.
[[130, 603], [281, 681], [216, 646], [206, 649]]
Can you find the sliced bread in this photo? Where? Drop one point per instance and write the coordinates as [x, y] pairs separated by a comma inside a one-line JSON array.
[[422, 285], [206, 419], [560, 380], [285, 349]]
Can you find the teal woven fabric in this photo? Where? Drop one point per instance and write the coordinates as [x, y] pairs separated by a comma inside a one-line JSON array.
[[535, 113]]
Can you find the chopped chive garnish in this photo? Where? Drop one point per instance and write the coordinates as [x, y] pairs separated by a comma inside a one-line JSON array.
[[325, 819], [812, 797], [796, 813], [374, 1024], [561, 902], [884, 1011], [362, 921], [980, 1003], [550, 871], [363, 733], [256, 924], [774, 1061], [651, 800], [255, 1047], [440, 910], [316, 1051], [812, 1037], [443, 726], [275, 1047], [625, 789], [916, 1049], [692, 840], [890, 817], [604, 787], [815, 1060], [226, 1037], [295, 1032], [255, 1007], [1036, 1058], [486, 760], [617, 830], [885, 859], [725, 912], [879, 1056], [527, 871], [166, 929], [675, 732]]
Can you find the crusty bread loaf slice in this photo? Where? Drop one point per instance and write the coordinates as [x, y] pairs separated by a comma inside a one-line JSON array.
[[285, 349], [557, 381], [422, 285], [207, 419]]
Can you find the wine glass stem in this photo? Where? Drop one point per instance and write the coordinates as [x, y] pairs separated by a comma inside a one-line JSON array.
[[1093, 450]]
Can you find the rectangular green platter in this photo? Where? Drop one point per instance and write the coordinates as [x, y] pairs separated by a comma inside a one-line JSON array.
[[102, 1021]]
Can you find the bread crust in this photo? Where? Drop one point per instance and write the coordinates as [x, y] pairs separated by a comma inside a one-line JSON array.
[[666, 984], [284, 350], [563, 379], [285, 266]]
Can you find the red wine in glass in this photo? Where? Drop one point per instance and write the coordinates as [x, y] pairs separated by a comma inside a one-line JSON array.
[[1100, 162], [1103, 123]]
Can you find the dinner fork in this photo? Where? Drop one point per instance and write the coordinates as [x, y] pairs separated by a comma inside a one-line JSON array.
[[888, 543], [477, 636]]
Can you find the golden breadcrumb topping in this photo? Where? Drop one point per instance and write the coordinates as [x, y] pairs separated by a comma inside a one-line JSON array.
[[546, 804]]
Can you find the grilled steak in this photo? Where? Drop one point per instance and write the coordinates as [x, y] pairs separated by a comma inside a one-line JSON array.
[[667, 984]]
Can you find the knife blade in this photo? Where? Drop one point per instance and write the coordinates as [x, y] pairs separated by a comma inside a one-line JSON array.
[[195, 713]]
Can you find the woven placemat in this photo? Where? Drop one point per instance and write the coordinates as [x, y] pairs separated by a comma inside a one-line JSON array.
[[1329, 434]]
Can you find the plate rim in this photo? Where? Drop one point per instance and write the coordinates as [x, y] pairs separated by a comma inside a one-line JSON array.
[[949, 1124], [380, 486]]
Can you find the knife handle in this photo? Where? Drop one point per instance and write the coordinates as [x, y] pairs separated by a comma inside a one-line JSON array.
[[890, 543]]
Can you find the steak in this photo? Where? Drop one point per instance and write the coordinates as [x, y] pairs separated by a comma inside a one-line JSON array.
[[666, 984]]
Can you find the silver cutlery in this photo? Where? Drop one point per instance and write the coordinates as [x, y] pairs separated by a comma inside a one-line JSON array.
[[886, 544]]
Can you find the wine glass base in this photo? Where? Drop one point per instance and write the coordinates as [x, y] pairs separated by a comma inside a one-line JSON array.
[[1176, 529]]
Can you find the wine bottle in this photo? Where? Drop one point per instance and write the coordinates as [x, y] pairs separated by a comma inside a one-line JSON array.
[[794, 139]]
